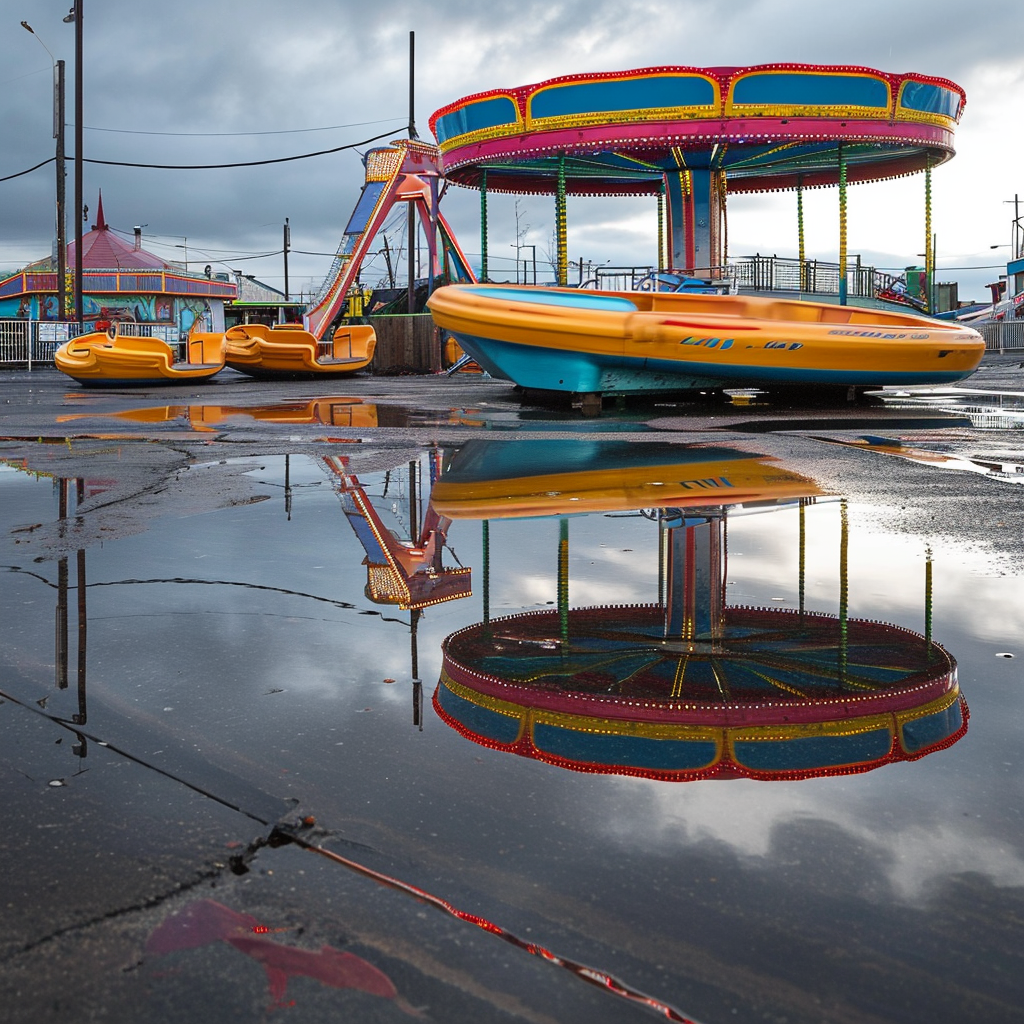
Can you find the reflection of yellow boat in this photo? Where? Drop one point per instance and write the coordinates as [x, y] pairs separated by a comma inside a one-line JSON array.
[[485, 479], [563, 339], [333, 411], [288, 350], [108, 358]]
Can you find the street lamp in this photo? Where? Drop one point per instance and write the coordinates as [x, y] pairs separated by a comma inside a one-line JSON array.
[[75, 15], [533, 249], [58, 134]]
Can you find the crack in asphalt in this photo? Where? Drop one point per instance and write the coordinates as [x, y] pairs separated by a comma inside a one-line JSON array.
[[282, 833]]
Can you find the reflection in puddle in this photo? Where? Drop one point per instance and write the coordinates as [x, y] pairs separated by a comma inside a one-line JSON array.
[[1010, 471], [486, 479], [985, 410], [689, 688], [347, 411], [246, 653]]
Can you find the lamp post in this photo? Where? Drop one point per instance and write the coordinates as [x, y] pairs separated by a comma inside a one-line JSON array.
[[533, 250], [75, 15], [58, 134]]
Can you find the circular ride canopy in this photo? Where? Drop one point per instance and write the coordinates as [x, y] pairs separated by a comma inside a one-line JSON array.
[[776, 694], [698, 133]]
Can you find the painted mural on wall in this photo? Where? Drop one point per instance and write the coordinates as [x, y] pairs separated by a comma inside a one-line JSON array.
[[143, 309]]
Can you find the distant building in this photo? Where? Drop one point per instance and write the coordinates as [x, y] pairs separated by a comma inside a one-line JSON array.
[[259, 303], [121, 281]]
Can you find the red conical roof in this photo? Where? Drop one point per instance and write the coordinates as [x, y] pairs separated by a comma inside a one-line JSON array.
[[102, 249]]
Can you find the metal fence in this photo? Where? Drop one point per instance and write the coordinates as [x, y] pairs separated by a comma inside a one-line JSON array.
[[33, 342], [811, 277], [764, 274], [1003, 335]]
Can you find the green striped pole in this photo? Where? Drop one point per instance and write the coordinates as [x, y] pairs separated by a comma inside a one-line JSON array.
[[929, 255], [928, 602], [486, 538], [842, 226], [483, 225], [661, 226], [801, 252], [563, 578], [560, 230], [844, 589]]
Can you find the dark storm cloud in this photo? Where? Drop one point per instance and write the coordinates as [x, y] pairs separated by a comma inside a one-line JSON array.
[[229, 67]]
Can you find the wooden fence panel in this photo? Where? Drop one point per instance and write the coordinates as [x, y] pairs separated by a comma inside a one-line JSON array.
[[408, 343]]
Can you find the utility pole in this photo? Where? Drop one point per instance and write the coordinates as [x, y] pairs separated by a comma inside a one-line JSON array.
[[75, 15], [58, 134], [62, 225], [287, 246], [411, 221], [412, 86]]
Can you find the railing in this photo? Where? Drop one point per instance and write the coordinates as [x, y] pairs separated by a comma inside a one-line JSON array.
[[764, 274], [31, 342], [1002, 335], [810, 277]]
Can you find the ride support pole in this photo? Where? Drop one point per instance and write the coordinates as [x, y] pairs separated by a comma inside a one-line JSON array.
[[929, 255], [560, 229], [928, 602], [485, 537], [801, 251], [661, 227], [844, 590], [483, 225], [563, 578], [842, 226]]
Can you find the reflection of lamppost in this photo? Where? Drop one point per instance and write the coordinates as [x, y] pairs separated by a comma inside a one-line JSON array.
[[58, 134], [75, 15]]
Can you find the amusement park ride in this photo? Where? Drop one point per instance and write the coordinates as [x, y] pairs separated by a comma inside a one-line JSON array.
[[406, 171], [690, 687], [688, 136]]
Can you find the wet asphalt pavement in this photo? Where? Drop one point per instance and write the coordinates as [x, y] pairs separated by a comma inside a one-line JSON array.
[[229, 796]]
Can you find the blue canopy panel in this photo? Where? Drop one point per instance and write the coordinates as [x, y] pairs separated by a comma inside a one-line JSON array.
[[364, 208]]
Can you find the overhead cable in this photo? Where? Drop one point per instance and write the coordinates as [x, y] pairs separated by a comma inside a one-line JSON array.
[[29, 170], [240, 163]]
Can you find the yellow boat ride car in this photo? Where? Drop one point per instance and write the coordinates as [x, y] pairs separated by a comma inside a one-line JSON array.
[[288, 350], [112, 359], [586, 342]]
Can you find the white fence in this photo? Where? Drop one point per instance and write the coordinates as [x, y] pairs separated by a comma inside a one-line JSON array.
[[30, 342], [1003, 335]]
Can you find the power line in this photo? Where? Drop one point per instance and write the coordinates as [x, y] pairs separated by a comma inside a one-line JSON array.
[[286, 131], [30, 169], [205, 167], [241, 163]]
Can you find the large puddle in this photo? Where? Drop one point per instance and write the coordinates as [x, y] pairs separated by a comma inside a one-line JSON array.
[[672, 711]]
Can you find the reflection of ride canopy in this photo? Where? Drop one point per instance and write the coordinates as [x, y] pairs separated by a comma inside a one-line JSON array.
[[689, 688], [694, 134]]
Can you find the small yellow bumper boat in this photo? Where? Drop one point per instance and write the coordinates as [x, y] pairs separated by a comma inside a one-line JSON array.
[[564, 339], [110, 359], [288, 350]]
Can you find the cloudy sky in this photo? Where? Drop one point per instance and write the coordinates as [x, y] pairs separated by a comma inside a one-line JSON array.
[[228, 81]]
